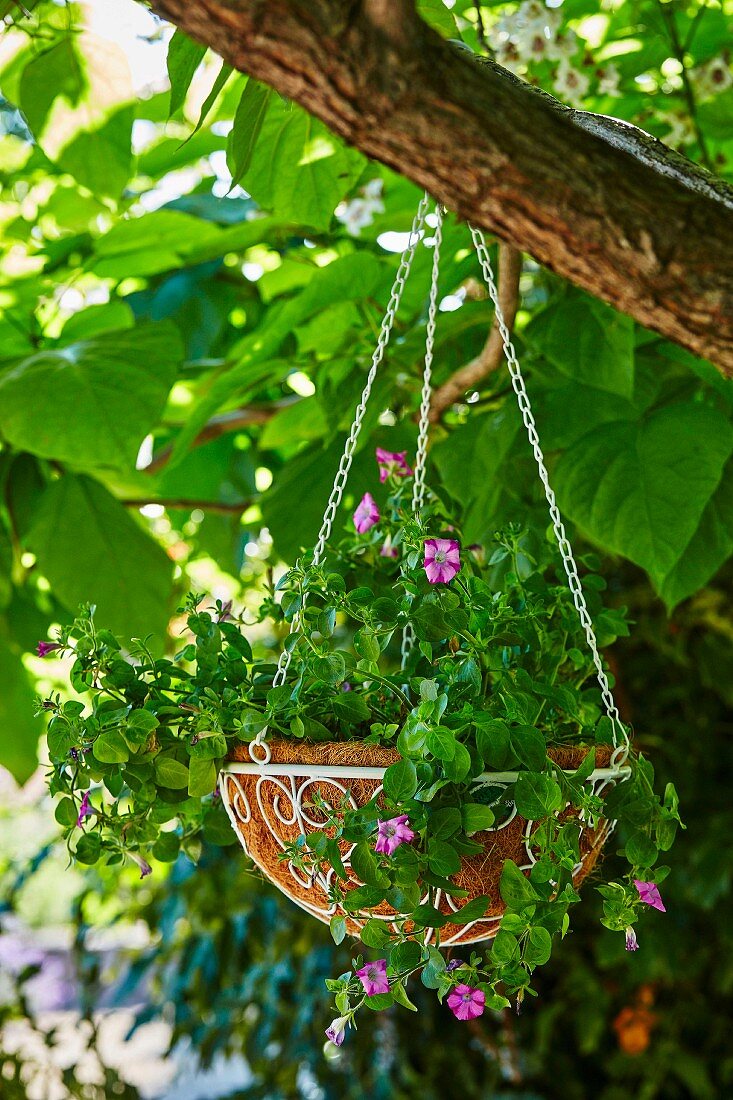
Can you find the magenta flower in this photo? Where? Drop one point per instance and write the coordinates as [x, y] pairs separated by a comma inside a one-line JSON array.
[[336, 1031], [145, 868], [442, 560], [393, 464], [85, 810], [366, 514], [392, 833], [466, 1003], [44, 648], [388, 550], [649, 894], [373, 977], [632, 944]]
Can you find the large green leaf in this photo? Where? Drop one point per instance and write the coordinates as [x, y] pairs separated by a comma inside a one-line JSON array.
[[92, 551], [588, 341], [76, 403], [289, 162], [183, 59], [20, 729], [244, 134], [642, 488]]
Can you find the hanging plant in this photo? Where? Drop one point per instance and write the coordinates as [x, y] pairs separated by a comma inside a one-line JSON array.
[[435, 759]]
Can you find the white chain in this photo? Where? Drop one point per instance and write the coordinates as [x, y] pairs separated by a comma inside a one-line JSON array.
[[418, 485], [558, 527], [344, 466]]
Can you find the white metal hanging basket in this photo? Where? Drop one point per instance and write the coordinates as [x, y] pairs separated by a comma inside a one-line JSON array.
[[269, 786]]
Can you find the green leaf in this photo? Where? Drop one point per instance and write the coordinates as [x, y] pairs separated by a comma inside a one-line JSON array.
[[641, 489], [338, 928], [167, 847], [111, 748], [91, 550], [505, 948], [18, 748], [471, 911], [442, 743], [184, 58], [515, 888], [364, 866], [493, 742], [400, 781], [88, 848], [405, 955], [537, 795], [588, 341], [429, 916], [170, 772], [245, 132], [399, 995], [476, 817], [73, 403], [375, 934], [458, 767], [538, 946], [528, 744], [201, 778], [66, 812], [443, 859]]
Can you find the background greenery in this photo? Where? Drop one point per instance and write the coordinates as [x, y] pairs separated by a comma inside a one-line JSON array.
[[186, 328]]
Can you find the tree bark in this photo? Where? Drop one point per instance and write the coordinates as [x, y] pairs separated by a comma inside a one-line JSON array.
[[596, 200]]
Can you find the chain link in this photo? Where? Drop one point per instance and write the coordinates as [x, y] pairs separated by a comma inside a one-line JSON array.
[[344, 466], [566, 551], [418, 485]]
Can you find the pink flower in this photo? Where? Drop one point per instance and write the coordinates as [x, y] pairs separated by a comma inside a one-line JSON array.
[[44, 648], [336, 1031], [366, 514], [632, 944], [466, 1003], [373, 977], [84, 810], [442, 560], [649, 894], [392, 833], [388, 550], [393, 464]]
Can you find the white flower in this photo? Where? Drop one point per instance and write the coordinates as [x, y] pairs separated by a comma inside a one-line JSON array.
[[712, 78], [359, 212], [680, 131], [608, 78], [507, 55], [563, 46], [570, 84]]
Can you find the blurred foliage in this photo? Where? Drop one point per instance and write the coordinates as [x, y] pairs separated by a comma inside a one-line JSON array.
[[172, 343]]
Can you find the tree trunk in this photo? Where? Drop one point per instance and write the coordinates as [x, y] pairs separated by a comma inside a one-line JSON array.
[[596, 200]]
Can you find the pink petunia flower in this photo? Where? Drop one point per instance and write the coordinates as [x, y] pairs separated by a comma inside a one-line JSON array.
[[85, 810], [374, 978], [442, 560], [466, 1003], [392, 833], [44, 648], [366, 514], [388, 550], [393, 464], [632, 944], [336, 1031], [649, 894]]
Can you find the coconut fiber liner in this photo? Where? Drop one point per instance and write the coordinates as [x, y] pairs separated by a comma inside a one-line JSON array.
[[479, 874]]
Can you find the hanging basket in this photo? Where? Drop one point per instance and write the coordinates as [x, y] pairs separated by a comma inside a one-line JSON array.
[[270, 802]]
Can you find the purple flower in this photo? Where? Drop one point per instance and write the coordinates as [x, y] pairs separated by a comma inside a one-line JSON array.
[[649, 894], [346, 686], [85, 810], [466, 1003], [145, 868], [393, 464], [388, 550], [336, 1031], [373, 977], [454, 964], [632, 944], [442, 560], [44, 648], [392, 833], [366, 514]]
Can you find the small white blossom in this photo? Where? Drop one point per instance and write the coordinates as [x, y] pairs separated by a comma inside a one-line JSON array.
[[563, 46], [680, 131], [712, 78], [608, 78], [358, 213], [507, 55], [570, 84]]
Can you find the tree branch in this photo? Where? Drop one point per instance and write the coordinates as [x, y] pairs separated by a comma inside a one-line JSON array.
[[596, 200], [185, 504], [491, 355]]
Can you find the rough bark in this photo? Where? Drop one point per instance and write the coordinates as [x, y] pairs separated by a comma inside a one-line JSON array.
[[596, 200]]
